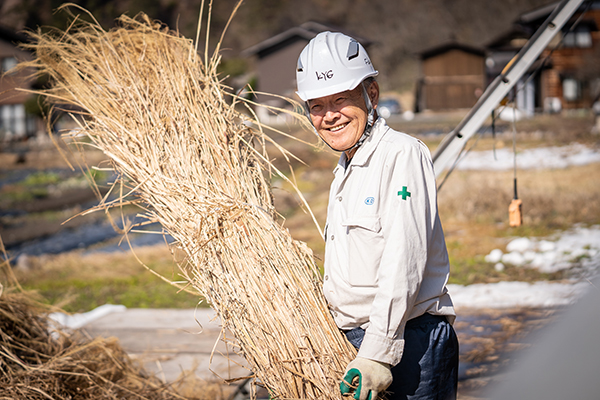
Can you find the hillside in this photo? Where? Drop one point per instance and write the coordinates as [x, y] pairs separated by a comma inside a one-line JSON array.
[[399, 29]]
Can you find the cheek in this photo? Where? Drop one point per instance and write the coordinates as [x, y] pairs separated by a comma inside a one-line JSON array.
[[316, 121]]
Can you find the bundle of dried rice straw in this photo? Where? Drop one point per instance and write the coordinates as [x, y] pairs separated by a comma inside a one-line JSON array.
[[180, 146]]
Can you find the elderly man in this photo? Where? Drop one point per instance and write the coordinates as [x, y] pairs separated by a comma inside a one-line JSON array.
[[386, 264]]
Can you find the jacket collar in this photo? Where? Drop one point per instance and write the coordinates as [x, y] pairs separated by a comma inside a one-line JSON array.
[[365, 151]]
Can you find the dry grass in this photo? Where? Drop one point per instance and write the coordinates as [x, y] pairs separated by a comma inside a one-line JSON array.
[[188, 158], [552, 199], [41, 362]]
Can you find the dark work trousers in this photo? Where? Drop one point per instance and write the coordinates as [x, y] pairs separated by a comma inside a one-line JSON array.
[[429, 366]]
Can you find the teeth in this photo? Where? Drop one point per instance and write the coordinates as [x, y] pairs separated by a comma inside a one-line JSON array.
[[337, 128]]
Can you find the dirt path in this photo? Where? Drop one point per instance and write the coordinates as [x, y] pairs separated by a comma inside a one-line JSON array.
[[490, 340]]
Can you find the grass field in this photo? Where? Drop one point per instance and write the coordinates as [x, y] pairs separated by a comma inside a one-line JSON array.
[[473, 207], [79, 283]]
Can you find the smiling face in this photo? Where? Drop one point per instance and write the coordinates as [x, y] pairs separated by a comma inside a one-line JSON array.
[[340, 119]]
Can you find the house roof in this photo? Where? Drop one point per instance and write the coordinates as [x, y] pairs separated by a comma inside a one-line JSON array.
[[445, 47], [539, 15], [527, 23], [306, 31]]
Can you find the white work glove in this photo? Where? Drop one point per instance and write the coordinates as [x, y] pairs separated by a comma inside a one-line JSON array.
[[373, 378]]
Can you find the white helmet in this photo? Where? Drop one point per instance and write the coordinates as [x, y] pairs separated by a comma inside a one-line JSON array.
[[331, 63]]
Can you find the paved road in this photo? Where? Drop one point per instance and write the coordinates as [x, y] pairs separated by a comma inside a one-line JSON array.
[[169, 341]]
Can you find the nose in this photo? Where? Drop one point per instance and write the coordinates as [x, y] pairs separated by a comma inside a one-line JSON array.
[[331, 114]]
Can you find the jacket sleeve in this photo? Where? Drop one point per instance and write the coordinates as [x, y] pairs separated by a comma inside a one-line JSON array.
[[408, 217]]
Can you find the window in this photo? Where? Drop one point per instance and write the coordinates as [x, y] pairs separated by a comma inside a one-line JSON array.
[[583, 39], [571, 89], [580, 37], [7, 63], [13, 120]]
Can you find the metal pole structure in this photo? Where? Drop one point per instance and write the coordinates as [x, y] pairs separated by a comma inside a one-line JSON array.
[[450, 148]]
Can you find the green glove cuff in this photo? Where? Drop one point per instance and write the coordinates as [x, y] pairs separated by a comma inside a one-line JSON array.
[[346, 386], [372, 377]]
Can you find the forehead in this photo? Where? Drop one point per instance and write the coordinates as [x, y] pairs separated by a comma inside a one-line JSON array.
[[354, 93]]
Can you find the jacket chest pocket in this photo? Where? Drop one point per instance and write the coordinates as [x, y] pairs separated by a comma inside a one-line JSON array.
[[365, 245]]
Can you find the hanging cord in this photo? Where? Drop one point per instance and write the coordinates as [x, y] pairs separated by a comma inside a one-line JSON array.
[[514, 129], [515, 217], [494, 134]]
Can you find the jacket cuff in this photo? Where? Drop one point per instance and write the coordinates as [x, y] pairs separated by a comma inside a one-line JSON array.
[[381, 348]]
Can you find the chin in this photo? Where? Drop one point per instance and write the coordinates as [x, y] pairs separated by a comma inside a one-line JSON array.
[[338, 143], [337, 146]]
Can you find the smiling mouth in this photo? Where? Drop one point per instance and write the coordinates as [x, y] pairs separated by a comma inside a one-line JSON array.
[[337, 128]]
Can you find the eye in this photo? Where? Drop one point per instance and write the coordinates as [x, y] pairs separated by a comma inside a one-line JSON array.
[[315, 108]]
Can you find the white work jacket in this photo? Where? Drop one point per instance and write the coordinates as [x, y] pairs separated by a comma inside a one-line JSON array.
[[385, 255]]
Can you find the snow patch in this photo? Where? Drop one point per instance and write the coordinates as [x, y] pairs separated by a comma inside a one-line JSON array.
[[540, 158], [578, 247], [516, 294], [494, 256], [76, 321]]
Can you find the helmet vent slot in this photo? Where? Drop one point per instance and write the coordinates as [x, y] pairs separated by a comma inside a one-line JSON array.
[[352, 50]]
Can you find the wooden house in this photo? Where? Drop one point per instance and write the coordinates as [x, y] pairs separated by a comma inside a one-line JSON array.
[[452, 76], [15, 122], [574, 72], [567, 73]]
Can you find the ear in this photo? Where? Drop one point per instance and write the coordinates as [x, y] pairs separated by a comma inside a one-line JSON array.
[[373, 92]]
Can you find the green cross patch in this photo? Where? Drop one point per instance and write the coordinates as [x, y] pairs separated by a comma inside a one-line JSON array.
[[404, 193]]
